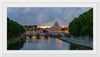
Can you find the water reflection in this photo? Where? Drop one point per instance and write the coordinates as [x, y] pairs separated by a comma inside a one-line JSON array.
[[79, 47], [16, 45], [44, 43], [42, 38], [48, 40], [58, 43], [34, 37], [26, 40]]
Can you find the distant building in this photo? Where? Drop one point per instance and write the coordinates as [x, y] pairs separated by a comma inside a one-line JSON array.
[[30, 27], [55, 28]]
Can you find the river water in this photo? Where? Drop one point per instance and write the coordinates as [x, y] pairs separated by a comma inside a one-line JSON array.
[[43, 43]]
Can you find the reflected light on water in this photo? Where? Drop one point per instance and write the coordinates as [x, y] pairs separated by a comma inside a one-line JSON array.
[[42, 38], [48, 40], [57, 40], [27, 41], [34, 37], [58, 43]]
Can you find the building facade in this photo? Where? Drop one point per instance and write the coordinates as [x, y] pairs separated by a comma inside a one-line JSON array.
[[55, 28]]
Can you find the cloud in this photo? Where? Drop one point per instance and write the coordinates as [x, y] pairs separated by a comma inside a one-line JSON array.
[[44, 15]]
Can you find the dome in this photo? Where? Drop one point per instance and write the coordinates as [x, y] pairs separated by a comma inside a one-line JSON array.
[[56, 24]]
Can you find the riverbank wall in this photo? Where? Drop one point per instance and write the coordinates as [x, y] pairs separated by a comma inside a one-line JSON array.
[[80, 41]]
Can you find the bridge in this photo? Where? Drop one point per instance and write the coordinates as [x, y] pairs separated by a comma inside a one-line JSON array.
[[30, 34]]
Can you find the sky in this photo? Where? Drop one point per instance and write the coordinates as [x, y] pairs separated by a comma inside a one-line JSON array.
[[44, 16]]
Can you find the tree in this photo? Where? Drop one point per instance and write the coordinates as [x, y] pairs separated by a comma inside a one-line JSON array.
[[13, 28], [83, 25]]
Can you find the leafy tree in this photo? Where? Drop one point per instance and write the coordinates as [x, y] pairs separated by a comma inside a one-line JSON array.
[[13, 28], [83, 25]]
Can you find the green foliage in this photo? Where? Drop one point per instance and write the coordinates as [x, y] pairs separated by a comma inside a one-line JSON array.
[[13, 27], [83, 25], [16, 45], [11, 40], [64, 29], [79, 47]]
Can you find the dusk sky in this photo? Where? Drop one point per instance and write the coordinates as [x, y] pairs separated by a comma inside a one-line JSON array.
[[42, 16]]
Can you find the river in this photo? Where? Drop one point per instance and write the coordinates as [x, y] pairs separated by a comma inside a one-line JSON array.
[[43, 43]]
